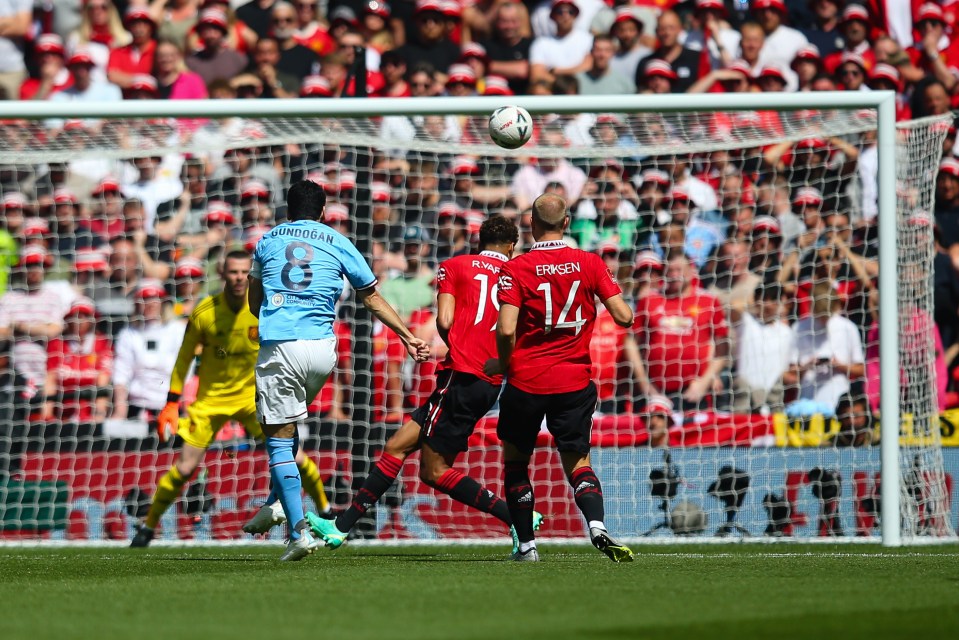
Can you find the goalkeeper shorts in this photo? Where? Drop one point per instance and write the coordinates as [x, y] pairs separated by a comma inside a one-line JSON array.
[[206, 417]]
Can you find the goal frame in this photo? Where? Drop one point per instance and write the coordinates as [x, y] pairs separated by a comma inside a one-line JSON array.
[[884, 102]]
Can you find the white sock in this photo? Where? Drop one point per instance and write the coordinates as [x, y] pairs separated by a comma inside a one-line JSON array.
[[597, 524], [526, 546]]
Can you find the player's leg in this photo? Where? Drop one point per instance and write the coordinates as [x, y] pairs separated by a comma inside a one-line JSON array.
[[520, 417], [445, 434], [197, 430], [436, 471], [284, 372], [387, 467], [167, 491], [570, 420]]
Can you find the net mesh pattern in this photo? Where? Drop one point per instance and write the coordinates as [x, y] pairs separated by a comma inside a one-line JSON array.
[[775, 213]]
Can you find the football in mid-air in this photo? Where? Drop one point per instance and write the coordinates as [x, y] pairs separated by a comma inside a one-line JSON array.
[[510, 127]]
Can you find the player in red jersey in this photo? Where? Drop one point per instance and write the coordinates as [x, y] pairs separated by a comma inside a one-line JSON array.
[[547, 310], [464, 393]]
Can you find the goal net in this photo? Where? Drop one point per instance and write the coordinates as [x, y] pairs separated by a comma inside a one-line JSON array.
[[743, 403]]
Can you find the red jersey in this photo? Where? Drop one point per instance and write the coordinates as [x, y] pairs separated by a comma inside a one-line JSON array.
[[130, 59], [606, 352], [679, 334], [472, 281], [555, 288], [77, 366]]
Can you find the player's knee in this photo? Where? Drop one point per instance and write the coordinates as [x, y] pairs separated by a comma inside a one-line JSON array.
[[431, 474]]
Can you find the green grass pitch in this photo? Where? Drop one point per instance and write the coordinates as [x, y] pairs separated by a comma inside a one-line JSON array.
[[462, 593]]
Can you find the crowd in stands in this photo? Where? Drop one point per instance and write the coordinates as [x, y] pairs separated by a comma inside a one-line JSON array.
[[753, 273]]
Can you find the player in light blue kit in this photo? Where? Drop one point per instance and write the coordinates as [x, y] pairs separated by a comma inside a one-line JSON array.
[[296, 279]]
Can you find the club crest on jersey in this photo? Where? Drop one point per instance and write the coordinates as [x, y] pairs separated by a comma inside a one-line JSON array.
[[277, 299], [253, 334], [505, 283], [441, 274]]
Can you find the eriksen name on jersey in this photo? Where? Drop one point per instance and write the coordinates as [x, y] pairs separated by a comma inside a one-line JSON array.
[[563, 269]]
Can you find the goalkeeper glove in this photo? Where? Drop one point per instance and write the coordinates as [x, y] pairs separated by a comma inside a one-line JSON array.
[[169, 418]]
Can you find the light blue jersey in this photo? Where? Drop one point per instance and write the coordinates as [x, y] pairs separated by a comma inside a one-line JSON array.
[[301, 265]]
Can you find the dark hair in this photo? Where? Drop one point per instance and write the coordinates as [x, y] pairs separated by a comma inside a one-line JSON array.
[[237, 254], [564, 85], [305, 201], [392, 57], [272, 39], [769, 291], [498, 231]]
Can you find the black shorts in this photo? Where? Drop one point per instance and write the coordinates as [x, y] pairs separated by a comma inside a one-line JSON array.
[[569, 417], [448, 418]]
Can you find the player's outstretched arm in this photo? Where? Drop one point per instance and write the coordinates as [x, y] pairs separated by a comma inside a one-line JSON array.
[[617, 307], [445, 308], [169, 418], [372, 300]]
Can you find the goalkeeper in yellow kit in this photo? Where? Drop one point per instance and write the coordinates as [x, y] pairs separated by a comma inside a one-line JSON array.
[[223, 327]]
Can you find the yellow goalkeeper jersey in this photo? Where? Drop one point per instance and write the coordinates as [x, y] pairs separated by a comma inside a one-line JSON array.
[[229, 341]]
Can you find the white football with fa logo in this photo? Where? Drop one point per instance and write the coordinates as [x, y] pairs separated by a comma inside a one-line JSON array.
[[510, 127]]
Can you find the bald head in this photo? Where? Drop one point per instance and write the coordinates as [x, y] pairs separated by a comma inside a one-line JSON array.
[[549, 212]]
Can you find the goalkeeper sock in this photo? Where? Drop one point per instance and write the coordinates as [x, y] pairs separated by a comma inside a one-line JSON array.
[[588, 494], [313, 483], [167, 491], [471, 493], [286, 481], [380, 479], [520, 498]]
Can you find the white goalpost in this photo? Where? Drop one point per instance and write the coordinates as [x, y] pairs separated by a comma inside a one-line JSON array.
[[411, 180]]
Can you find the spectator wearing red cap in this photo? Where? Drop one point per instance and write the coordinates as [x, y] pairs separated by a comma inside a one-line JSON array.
[[460, 81], [215, 60], [377, 25], [52, 73], [711, 31], [135, 58], [658, 418], [806, 65], [855, 26], [782, 42], [647, 274], [564, 53], [683, 335], [772, 79], [310, 32], [84, 87], [935, 54], [601, 78], [174, 81], [825, 33], [627, 29], [508, 47], [79, 365], [31, 313], [429, 41], [735, 78], [656, 76], [765, 248], [851, 72], [452, 231], [684, 62], [947, 206], [764, 350], [15, 17]]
